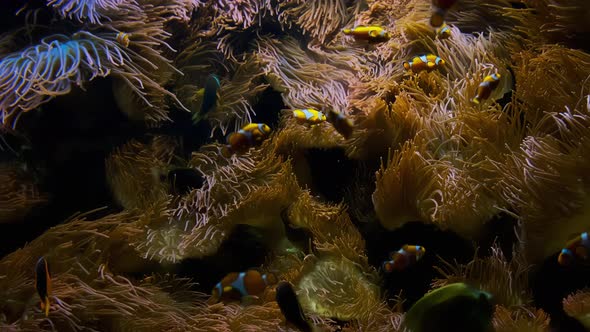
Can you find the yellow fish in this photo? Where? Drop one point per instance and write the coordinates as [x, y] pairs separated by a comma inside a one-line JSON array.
[[309, 115], [371, 33], [427, 62], [443, 32], [486, 87], [123, 38]]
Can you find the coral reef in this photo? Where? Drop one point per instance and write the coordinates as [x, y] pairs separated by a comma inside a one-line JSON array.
[[307, 204]]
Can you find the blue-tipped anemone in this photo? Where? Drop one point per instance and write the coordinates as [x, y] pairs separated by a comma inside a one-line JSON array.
[[83, 10]]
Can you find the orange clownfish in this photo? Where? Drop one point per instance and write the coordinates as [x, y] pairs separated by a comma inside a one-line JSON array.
[[249, 136], [123, 38], [486, 87], [439, 11], [43, 283], [371, 33], [578, 247], [424, 62], [401, 259], [342, 124], [237, 285], [309, 115], [443, 32]]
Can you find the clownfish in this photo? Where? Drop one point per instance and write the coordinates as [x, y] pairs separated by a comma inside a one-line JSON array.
[[342, 124], [290, 307], [249, 136], [440, 11], [43, 283], [486, 87], [237, 285], [578, 247], [427, 62], [401, 259], [123, 38], [309, 115], [443, 32], [372, 33]]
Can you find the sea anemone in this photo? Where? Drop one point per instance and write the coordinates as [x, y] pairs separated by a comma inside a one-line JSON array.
[[40, 73], [137, 172], [506, 280], [81, 10], [306, 14], [550, 160], [520, 319], [577, 305], [336, 287]]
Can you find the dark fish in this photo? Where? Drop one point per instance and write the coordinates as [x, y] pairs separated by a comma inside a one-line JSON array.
[[341, 123], [290, 307], [43, 283], [440, 8], [210, 94], [455, 307]]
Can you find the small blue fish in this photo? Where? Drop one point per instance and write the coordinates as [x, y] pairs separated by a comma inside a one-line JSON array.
[[210, 94]]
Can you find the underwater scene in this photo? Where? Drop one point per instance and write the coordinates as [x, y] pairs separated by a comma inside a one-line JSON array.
[[295, 165]]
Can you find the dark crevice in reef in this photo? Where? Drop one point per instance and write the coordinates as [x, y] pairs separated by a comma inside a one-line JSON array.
[[329, 171], [268, 108], [68, 141], [358, 195], [415, 281], [500, 230], [70, 138]]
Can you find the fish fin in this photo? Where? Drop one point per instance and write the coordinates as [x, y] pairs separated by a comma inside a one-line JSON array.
[[475, 100], [373, 33], [47, 305], [227, 289], [346, 31]]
